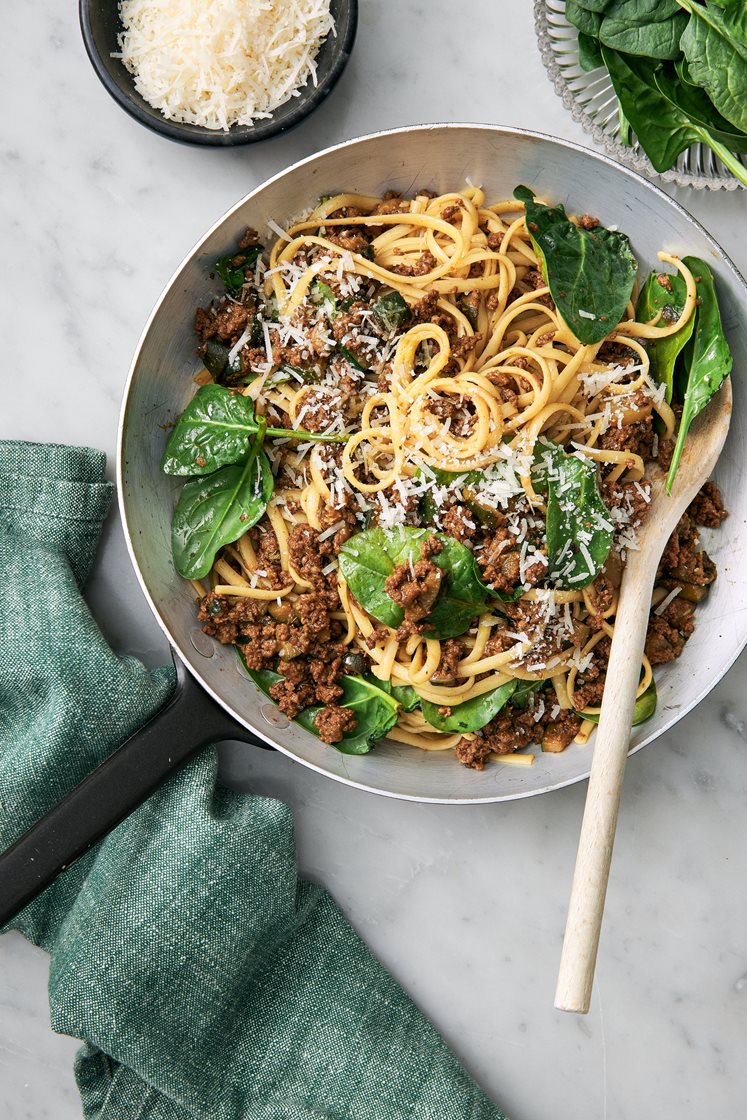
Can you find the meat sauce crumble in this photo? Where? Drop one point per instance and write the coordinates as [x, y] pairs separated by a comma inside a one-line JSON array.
[[301, 636]]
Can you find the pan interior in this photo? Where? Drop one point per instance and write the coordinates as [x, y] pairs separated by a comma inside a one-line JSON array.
[[441, 158]]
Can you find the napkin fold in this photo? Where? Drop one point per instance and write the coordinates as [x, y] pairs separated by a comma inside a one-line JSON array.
[[206, 981]]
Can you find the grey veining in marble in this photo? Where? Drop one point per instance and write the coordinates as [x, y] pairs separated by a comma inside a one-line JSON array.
[[465, 905]]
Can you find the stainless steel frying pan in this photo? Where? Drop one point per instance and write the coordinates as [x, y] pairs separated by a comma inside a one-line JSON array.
[[440, 157]]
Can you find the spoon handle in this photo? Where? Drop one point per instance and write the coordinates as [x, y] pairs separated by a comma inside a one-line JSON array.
[[611, 744]]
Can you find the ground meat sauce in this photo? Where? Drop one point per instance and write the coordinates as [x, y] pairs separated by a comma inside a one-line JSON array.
[[636, 437], [415, 587], [300, 638], [668, 632], [708, 507], [226, 323], [499, 560], [683, 558], [303, 644], [426, 262], [452, 652], [590, 683], [333, 723], [224, 619], [459, 523], [513, 729]]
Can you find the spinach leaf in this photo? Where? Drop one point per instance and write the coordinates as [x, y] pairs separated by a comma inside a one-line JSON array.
[[589, 53], [407, 697], [234, 275], [708, 359], [375, 710], [694, 102], [578, 527], [524, 689], [644, 27], [734, 16], [263, 678], [663, 352], [405, 694], [392, 311], [595, 5], [472, 714], [715, 46], [645, 706], [368, 558], [216, 428], [218, 509], [587, 22], [626, 135], [663, 129], [590, 271]]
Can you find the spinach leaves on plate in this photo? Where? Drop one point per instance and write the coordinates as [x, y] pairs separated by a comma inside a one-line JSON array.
[[392, 311], [643, 27], [715, 46], [368, 558], [679, 70], [522, 692], [667, 115], [579, 531], [474, 714], [590, 272], [375, 710], [585, 19]]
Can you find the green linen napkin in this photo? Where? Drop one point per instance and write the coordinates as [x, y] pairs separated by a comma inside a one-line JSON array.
[[204, 978]]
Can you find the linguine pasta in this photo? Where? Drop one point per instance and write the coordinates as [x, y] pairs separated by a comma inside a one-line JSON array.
[[423, 335]]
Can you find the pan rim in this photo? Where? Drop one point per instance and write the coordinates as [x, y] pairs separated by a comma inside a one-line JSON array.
[[501, 130]]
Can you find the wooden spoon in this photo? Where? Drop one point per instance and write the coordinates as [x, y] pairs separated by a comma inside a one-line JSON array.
[[612, 739]]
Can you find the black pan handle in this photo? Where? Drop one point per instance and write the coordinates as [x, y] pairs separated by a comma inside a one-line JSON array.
[[191, 719]]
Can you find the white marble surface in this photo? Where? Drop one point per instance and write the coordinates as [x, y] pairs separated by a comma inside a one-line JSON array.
[[465, 905]]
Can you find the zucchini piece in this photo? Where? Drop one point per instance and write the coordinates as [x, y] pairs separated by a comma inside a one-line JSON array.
[[392, 311], [348, 355]]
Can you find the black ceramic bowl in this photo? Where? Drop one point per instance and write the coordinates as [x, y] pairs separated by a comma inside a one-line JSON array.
[[100, 24]]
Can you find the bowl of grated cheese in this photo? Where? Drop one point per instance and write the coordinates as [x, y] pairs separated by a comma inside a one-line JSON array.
[[219, 74]]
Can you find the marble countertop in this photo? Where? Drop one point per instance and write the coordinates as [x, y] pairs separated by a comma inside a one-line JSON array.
[[465, 905]]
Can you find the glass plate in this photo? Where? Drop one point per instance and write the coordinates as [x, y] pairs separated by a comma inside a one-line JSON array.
[[592, 102]]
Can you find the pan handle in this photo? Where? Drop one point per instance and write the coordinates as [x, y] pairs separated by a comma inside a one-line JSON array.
[[190, 720]]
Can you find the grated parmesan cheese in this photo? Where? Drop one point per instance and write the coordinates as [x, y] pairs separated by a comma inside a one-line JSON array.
[[665, 602], [223, 63]]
